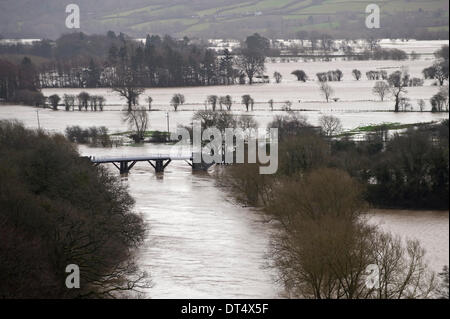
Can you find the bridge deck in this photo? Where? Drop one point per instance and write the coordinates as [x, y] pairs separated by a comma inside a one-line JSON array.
[[158, 157]]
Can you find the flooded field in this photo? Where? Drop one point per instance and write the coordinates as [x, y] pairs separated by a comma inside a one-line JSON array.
[[202, 245], [353, 95], [357, 106]]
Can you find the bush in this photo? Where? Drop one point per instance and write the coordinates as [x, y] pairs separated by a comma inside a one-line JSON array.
[[93, 135]]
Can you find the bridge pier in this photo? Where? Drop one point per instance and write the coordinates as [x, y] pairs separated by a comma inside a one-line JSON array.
[[159, 165], [124, 167]]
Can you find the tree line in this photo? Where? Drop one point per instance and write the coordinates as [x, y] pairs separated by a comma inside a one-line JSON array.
[[78, 60]]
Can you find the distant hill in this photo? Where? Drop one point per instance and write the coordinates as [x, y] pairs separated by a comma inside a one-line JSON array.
[[226, 18]]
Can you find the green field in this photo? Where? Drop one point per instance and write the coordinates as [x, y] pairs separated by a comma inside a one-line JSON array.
[[227, 18], [266, 16]]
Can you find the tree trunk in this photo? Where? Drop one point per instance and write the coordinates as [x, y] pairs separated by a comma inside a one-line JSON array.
[[397, 104]]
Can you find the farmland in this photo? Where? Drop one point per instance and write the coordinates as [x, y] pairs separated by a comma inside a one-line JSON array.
[[231, 18]]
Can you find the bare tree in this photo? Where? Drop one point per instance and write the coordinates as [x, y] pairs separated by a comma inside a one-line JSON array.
[[326, 90], [326, 248], [137, 119], [246, 100], [398, 81], [381, 88], [177, 100], [330, 125], [69, 101], [271, 104], [227, 101], [278, 77], [219, 119], [83, 100], [127, 87], [101, 102], [421, 103], [54, 101], [357, 74], [149, 102], [246, 122], [287, 106], [251, 63], [212, 99]]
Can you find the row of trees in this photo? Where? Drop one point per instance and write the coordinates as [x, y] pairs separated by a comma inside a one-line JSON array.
[[82, 101], [95, 136]]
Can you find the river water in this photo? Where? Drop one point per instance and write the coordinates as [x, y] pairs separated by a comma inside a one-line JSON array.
[[200, 244]]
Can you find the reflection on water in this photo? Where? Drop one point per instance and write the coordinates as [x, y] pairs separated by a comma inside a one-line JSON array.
[[202, 245], [431, 228]]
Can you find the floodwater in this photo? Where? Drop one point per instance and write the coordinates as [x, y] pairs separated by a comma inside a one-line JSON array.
[[356, 105], [200, 244], [431, 228]]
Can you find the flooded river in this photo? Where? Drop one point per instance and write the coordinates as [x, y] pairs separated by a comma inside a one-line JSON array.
[[200, 244]]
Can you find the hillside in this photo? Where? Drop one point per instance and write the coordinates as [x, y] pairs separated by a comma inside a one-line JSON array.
[[226, 18]]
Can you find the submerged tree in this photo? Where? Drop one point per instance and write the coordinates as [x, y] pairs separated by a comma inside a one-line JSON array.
[[271, 104], [149, 102], [278, 77], [326, 90], [83, 100], [54, 101], [213, 99], [301, 75], [69, 102], [137, 119], [398, 81], [227, 101], [247, 101], [126, 85], [177, 100], [381, 88], [357, 74]]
